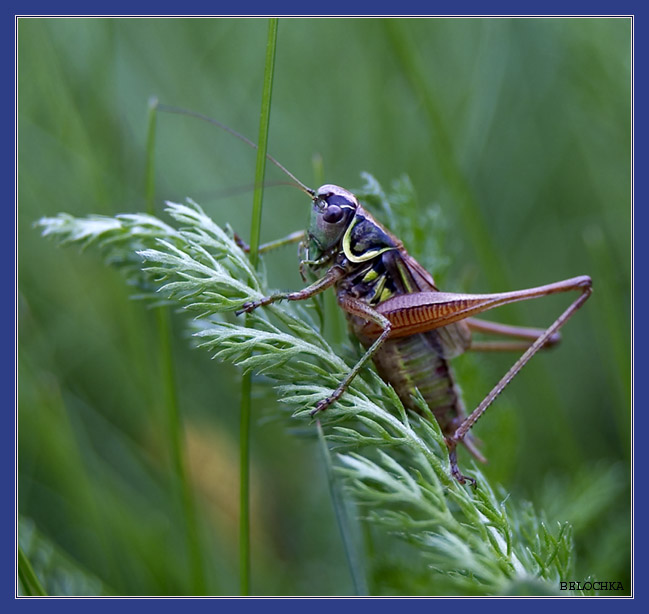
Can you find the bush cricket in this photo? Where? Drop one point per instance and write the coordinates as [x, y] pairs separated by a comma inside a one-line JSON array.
[[409, 329]]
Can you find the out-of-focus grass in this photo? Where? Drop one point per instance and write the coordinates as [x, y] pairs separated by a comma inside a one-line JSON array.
[[537, 118]]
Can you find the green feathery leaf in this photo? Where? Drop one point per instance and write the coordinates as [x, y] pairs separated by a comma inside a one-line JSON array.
[[393, 463]]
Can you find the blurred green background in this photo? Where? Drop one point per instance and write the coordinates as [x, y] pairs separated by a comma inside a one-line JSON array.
[[519, 129]]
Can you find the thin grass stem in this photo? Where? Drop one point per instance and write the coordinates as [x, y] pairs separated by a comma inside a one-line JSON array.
[[29, 579], [342, 518], [255, 233]]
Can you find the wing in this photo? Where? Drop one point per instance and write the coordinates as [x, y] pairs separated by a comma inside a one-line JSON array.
[[410, 277]]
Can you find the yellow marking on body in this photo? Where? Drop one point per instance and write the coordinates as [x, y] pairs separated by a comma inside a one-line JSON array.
[[347, 247], [378, 287], [386, 293], [371, 275], [405, 276]]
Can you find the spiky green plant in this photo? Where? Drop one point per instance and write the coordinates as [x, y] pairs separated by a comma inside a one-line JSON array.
[[392, 464]]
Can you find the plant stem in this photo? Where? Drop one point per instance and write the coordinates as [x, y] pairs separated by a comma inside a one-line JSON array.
[[29, 579], [255, 232], [342, 518], [149, 171], [262, 145]]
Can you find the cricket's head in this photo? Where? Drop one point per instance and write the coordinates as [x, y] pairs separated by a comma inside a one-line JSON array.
[[332, 212]]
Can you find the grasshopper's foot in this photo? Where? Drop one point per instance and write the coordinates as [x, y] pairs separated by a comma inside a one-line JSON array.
[[249, 306], [322, 405], [241, 243], [455, 470], [462, 479]]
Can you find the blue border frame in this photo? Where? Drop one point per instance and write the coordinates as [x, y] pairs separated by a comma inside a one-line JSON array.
[[640, 216]]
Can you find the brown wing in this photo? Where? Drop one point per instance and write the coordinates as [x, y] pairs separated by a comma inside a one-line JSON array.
[[448, 341]]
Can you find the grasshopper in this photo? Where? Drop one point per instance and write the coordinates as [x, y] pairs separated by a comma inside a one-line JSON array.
[[409, 328]]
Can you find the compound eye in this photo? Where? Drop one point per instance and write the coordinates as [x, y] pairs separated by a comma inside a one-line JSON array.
[[333, 214]]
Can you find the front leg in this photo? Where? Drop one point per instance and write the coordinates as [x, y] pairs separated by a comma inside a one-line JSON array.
[[306, 264], [358, 308], [455, 469], [330, 278]]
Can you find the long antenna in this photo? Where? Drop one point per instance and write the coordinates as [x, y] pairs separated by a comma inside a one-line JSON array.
[[180, 111]]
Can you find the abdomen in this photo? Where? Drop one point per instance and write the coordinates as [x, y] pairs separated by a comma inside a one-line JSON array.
[[414, 362]]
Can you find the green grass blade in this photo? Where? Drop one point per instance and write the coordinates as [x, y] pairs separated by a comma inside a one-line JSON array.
[[149, 179], [262, 146], [255, 233], [30, 582], [342, 518]]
